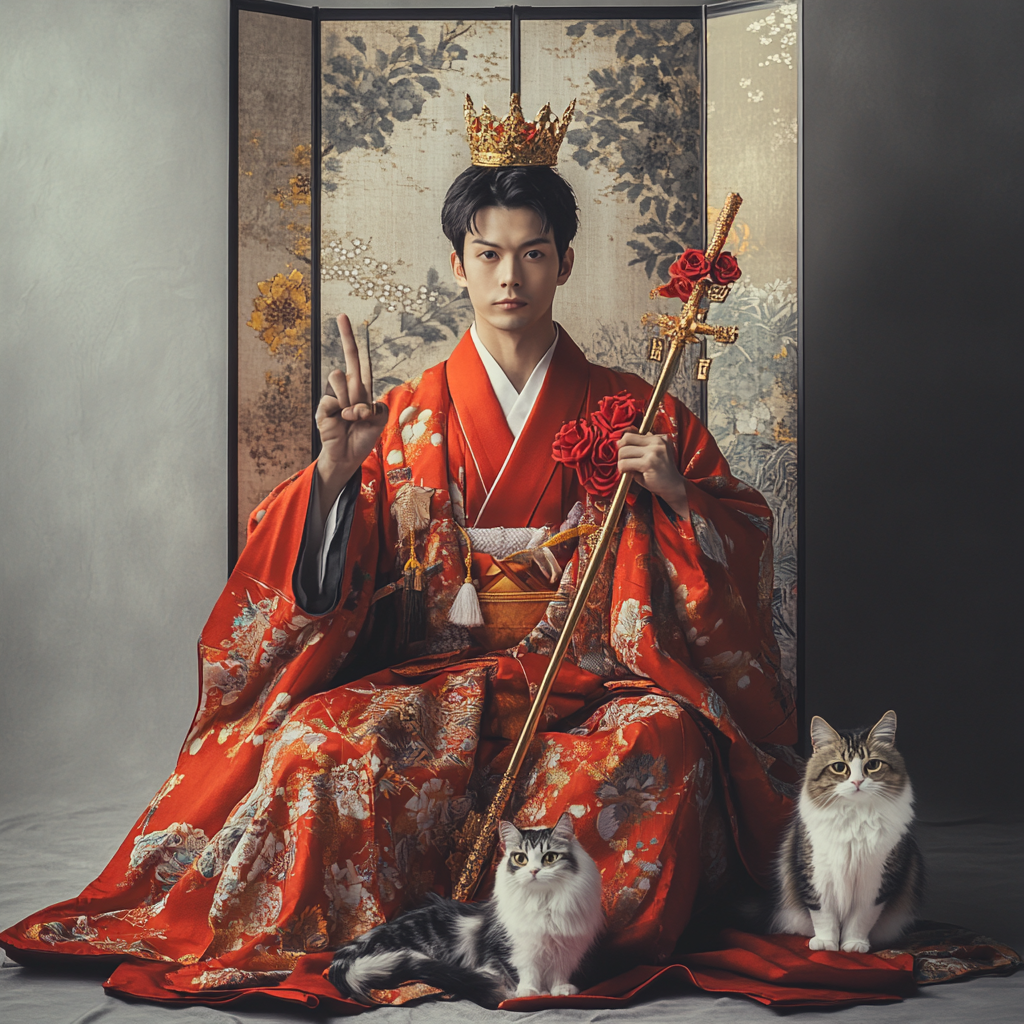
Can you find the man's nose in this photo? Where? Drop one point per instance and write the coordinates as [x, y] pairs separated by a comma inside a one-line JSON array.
[[510, 274]]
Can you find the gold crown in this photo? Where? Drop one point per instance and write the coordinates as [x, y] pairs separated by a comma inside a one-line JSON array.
[[515, 142]]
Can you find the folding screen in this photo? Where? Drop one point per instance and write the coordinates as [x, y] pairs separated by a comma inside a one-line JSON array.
[[752, 137], [675, 107], [269, 366]]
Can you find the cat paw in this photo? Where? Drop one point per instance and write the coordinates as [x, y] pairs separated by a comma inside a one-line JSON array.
[[855, 946], [527, 990], [564, 990], [822, 942]]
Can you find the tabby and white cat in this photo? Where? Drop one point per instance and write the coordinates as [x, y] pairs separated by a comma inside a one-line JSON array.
[[527, 939], [849, 872]]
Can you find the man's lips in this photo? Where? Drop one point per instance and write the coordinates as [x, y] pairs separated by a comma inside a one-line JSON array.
[[510, 303]]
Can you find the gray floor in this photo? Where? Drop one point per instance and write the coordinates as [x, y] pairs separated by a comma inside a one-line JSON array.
[[52, 852]]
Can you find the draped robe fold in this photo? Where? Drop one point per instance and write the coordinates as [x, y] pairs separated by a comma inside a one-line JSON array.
[[312, 799]]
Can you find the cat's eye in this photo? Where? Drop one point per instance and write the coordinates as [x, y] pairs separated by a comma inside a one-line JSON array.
[[550, 857], [519, 858], [839, 767], [873, 765]]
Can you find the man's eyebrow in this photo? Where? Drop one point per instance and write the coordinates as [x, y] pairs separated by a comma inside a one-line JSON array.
[[532, 241]]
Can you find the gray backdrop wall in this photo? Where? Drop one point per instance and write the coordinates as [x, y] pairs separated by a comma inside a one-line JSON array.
[[113, 401], [113, 386], [913, 367]]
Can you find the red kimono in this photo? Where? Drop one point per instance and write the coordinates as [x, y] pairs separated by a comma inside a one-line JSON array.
[[308, 806]]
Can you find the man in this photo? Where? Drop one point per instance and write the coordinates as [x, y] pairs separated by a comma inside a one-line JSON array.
[[371, 661]]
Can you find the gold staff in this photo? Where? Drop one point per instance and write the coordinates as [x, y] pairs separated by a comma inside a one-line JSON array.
[[679, 330]]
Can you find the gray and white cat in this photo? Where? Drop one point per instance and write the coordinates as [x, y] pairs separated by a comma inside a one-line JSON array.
[[849, 873], [528, 939]]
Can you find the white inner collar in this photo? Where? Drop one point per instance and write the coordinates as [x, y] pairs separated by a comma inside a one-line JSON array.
[[516, 405]]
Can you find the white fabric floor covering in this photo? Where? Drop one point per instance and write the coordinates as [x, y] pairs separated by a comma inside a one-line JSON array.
[[50, 853]]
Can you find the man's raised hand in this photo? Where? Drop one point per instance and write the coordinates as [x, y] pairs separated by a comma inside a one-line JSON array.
[[348, 419]]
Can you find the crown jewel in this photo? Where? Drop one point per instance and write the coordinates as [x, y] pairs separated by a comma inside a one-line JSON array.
[[515, 142]]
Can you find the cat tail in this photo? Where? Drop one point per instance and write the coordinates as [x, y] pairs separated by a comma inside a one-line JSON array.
[[357, 975]]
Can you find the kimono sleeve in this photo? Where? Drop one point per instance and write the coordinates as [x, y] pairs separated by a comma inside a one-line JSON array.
[[260, 651], [720, 561]]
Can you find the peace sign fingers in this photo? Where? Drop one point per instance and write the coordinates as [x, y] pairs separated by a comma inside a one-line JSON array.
[[349, 421], [348, 385]]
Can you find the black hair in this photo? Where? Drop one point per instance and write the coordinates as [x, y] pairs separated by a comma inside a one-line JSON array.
[[540, 189]]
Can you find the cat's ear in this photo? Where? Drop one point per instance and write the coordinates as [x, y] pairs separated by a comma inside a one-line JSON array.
[[563, 827], [884, 730], [510, 835], [822, 734]]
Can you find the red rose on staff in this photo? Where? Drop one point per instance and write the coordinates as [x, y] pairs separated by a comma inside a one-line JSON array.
[[693, 264], [616, 414], [677, 288], [690, 267], [725, 269], [573, 442], [599, 474]]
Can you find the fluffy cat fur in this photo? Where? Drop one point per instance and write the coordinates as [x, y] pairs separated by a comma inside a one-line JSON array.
[[849, 873], [527, 939]]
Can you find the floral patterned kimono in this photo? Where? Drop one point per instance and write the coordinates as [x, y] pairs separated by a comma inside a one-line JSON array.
[[323, 782]]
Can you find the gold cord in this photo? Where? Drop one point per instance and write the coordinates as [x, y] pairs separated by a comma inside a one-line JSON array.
[[469, 553], [413, 562]]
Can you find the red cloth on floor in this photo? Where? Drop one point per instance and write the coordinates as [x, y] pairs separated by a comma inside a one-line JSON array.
[[775, 970]]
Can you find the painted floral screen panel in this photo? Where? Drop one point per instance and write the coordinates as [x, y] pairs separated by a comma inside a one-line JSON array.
[[393, 140], [752, 131], [273, 340], [633, 156]]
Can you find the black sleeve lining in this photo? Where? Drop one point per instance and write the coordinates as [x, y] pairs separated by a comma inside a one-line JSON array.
[[311, 597]]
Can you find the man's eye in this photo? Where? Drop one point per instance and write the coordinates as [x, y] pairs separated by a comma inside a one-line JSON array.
[[488, 254], [535, 254]]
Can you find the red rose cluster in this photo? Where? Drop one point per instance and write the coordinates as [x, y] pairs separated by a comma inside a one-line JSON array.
[[589, 445], [692, 266]]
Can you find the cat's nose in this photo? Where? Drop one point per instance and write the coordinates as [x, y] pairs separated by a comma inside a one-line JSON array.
[[534, 871]]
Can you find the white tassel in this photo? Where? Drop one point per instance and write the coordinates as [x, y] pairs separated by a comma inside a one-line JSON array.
[[465, 609]]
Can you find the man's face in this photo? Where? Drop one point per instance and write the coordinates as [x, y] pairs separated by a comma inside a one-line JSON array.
[[511, 269]]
